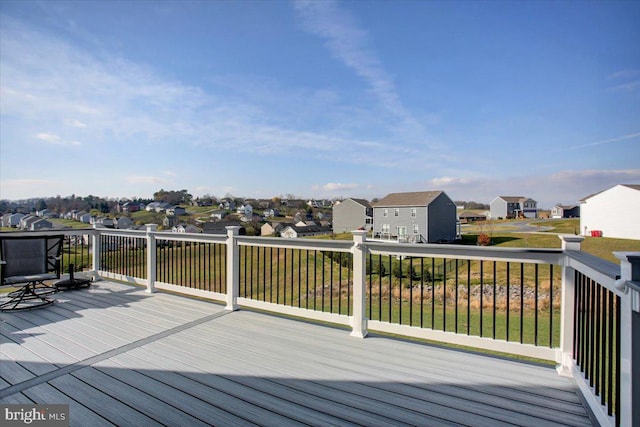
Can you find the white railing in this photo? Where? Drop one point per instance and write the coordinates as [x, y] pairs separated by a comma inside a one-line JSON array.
[[621, 281]]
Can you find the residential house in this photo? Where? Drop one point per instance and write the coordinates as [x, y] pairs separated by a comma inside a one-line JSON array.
[[294, 203], [273, 228], [565, 211], [467, 217], [416, 217], [305, 223], [129, 207], [245, 209], [104, 221], [612, 212], [12, 220], [46, 213], [219, 214], [170, 221], [26, 221], [40, 224], [295, 231], [83, 217], [221, 227], [271, 212], [251, 218], [352, 214], [202, 202], [176, 211], [504, 207], [70, 214], [227, 204], [158, 207], [123, 223], [186, 228]]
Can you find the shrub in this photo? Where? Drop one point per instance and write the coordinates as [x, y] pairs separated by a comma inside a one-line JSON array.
[[484, 240]]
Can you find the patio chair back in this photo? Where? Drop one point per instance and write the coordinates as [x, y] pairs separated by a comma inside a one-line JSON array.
[[23, 257]]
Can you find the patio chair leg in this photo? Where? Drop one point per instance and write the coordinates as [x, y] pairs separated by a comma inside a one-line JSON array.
[[25, 299], [38, 288]]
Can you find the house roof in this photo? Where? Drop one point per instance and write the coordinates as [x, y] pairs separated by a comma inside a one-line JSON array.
[[310, 229], [631, 186], [513, 199], [417, 198], [362, 202]]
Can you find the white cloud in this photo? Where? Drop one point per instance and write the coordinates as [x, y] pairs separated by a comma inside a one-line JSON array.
[[126, 103], [55, 139], [333, 187], [350, 44], [604, 141], [76, 123], [567, 186]]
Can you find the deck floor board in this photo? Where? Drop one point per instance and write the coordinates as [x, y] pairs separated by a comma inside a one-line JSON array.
[[118, 355]]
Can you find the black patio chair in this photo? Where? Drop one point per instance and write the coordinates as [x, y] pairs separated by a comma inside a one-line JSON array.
[[27, 262]]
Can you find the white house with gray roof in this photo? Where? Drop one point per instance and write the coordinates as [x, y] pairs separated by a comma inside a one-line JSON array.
[[504, 207], [416, 217], [612, 213]]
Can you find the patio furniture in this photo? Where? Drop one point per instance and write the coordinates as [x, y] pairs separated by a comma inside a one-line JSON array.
[[72, 282], [29, 261]]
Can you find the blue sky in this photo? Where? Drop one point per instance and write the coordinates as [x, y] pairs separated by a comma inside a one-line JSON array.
[[319, 99]]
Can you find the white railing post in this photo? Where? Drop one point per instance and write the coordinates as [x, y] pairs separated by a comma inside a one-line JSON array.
[[359, 319], [629, 337], [567, 309], [95, 259], [233, 263], [151, 257]]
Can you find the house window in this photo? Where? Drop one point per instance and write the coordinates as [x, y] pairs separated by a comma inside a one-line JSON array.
[[385, 212], [413, 212], [385, 228], [416, 229], [396, 212]]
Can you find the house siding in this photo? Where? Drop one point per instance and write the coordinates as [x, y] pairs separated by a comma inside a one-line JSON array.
[[613, 211], [349, 215], [404, 219], [441, 228], [506, 207], [435, 222]]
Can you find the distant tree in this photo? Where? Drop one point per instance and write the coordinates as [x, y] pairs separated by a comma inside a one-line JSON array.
[[41, 205], [173, 197]]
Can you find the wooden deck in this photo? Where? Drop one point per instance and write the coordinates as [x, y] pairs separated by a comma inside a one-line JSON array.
[[118, 355]]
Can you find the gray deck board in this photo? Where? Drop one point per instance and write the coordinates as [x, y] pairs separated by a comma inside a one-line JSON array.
[[79, 415], [126, 386], [118, 355], [384, 389]]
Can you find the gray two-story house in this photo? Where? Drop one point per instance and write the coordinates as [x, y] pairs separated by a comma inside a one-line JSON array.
[[352, 214], [504, 207], [416, 217]]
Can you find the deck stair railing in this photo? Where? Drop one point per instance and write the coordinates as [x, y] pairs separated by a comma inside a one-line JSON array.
[[561, 305]]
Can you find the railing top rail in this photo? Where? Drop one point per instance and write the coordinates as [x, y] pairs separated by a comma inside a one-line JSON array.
[[526, 255], [65, 231], [301, 243], [191, 237], [118, 232], [602, 271]]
